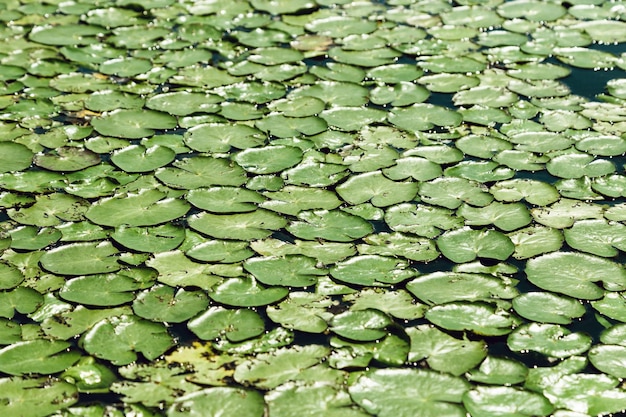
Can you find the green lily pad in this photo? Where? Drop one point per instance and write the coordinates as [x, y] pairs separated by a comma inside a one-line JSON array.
[[24, 396], [361, 325], [424, 116], [374, 58], [399, 392], [342, 94], [37, 356], [398, 244], [399, 303], [302, 311], [32, 238], [69, 323], [325, 252], [246, 292], [591, 394], [531, 10], [90, 376], [162, 303], [149, 239], [533, 191], [464, 245], [565, 212], [146, 208], [421, 219], [506, 401], [292, 200], [451, 192], [119, 339], [456, 65], [585, 58], [578, 165], [610, 185], [133, 124], [284, 127], [575, 274], [597, 237], [20, 299], [490, 96], [443, 352], [10, 276], [506, 217], [223, 251], [610, 359], [352, 118], [479, 318], [243, 226], [535, 240], [444, 287], [50, 210], [14, 157], [125, 67], [295, 270], [183, 103], [202, 171], [235, 325], [333, 225], [545, 307], [222, 401], [267, 342], [375, 187], [268, 370], [372, 270], [82, 259], [499, 371], [100, 290], [67, 159], [107, 100], [310, 400], [220, 137], [138, 158], [225, 199], [71, 34], [549, 339], [269, 159]]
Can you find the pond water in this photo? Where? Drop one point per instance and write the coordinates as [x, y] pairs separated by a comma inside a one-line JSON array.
[[297, 207]]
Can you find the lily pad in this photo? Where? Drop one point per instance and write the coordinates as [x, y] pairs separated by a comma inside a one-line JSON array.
[[479, 318], [82, 259], [506, 401], [14, 157], [399, 392], [333, 225], [293, 270], [443, 352], [235, 325], [424, 116], [361, 325], [138, 158], [246, 292], [451, 192], [499, 371], [24, 396], [133, 124], [269, 159], [421, 219], [546, 307], [506, 217], [575, 274], [100, 290], [202, 171], [162, 303], [591, 394], [220, 137], [375, 187], [302, 311], [549, 339], [464, 245], [223, 401], [597, 237], [37, 356], [243, 226], [149, 239], [372, 270]]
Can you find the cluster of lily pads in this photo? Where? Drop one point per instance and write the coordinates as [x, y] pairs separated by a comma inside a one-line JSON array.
[[311, 207]]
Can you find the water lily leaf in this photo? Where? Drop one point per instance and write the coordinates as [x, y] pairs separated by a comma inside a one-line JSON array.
[[370, 157], [499, 371], [482, 146], [222, 401], [533, 191], [535, 240], [311, 400], [202, 171], [375, 187], [177, 270], [81, 259], [292, 200], [611, 305], [479, 318], [293, 270], [269, 159], [21, 299], [548, 339], [235, 325], [443, 287], [352, 118], [592, 394], [132, 124], [224, 251], [107, 100], [66, 324], [362, 325], [14, 157], [565, 212], [268, 370], [267, 342], [506, 401], [90, 376], [246, 292], [37, 356], [50, 210], [397, 244], [138, 158], [302, 311], [32, 238], [506, 217], [119, 339], [281, 126], [585, 58], [610, 359], [451, 192], [532, 10], [67, 159], [372, 270], [220, 137], [574, 274], [325, 252], [448, 65], [145, 208], [400, 94], [465, 245], [333, 225], [10, 276], [603, 145], [125, 67], [610, 185], [69, 34], [100, 290], [183, 103], [399, 392], [422, 220], [490, 96], [424, 116], [480, 171], [579, 165], [162, 303], [443, 352], [243, 226], [149, 239], [418, 168], [25, 396], [598, 237], [225, 199], [341, 94], [546, 307]]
